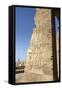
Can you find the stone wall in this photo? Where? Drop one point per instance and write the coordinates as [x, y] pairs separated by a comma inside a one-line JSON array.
[[39, 54]]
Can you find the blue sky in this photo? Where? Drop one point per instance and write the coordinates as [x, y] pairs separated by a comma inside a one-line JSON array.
[[56, 24], [24, 28]]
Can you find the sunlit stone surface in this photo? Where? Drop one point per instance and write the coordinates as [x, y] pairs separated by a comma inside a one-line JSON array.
[[39, 63], [57, 41]]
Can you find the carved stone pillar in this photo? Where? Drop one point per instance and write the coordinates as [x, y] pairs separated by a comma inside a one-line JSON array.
[[39, 53]]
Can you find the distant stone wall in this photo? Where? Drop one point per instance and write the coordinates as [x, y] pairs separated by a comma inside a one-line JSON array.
[[57, 44]]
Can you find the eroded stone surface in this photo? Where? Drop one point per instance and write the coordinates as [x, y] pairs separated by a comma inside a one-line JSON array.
[[39, 54]]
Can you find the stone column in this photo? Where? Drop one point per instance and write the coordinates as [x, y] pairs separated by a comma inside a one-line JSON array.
[[40, 50]]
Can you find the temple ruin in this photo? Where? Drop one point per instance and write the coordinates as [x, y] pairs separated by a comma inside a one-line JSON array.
[[41, 62], [39, 54]]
